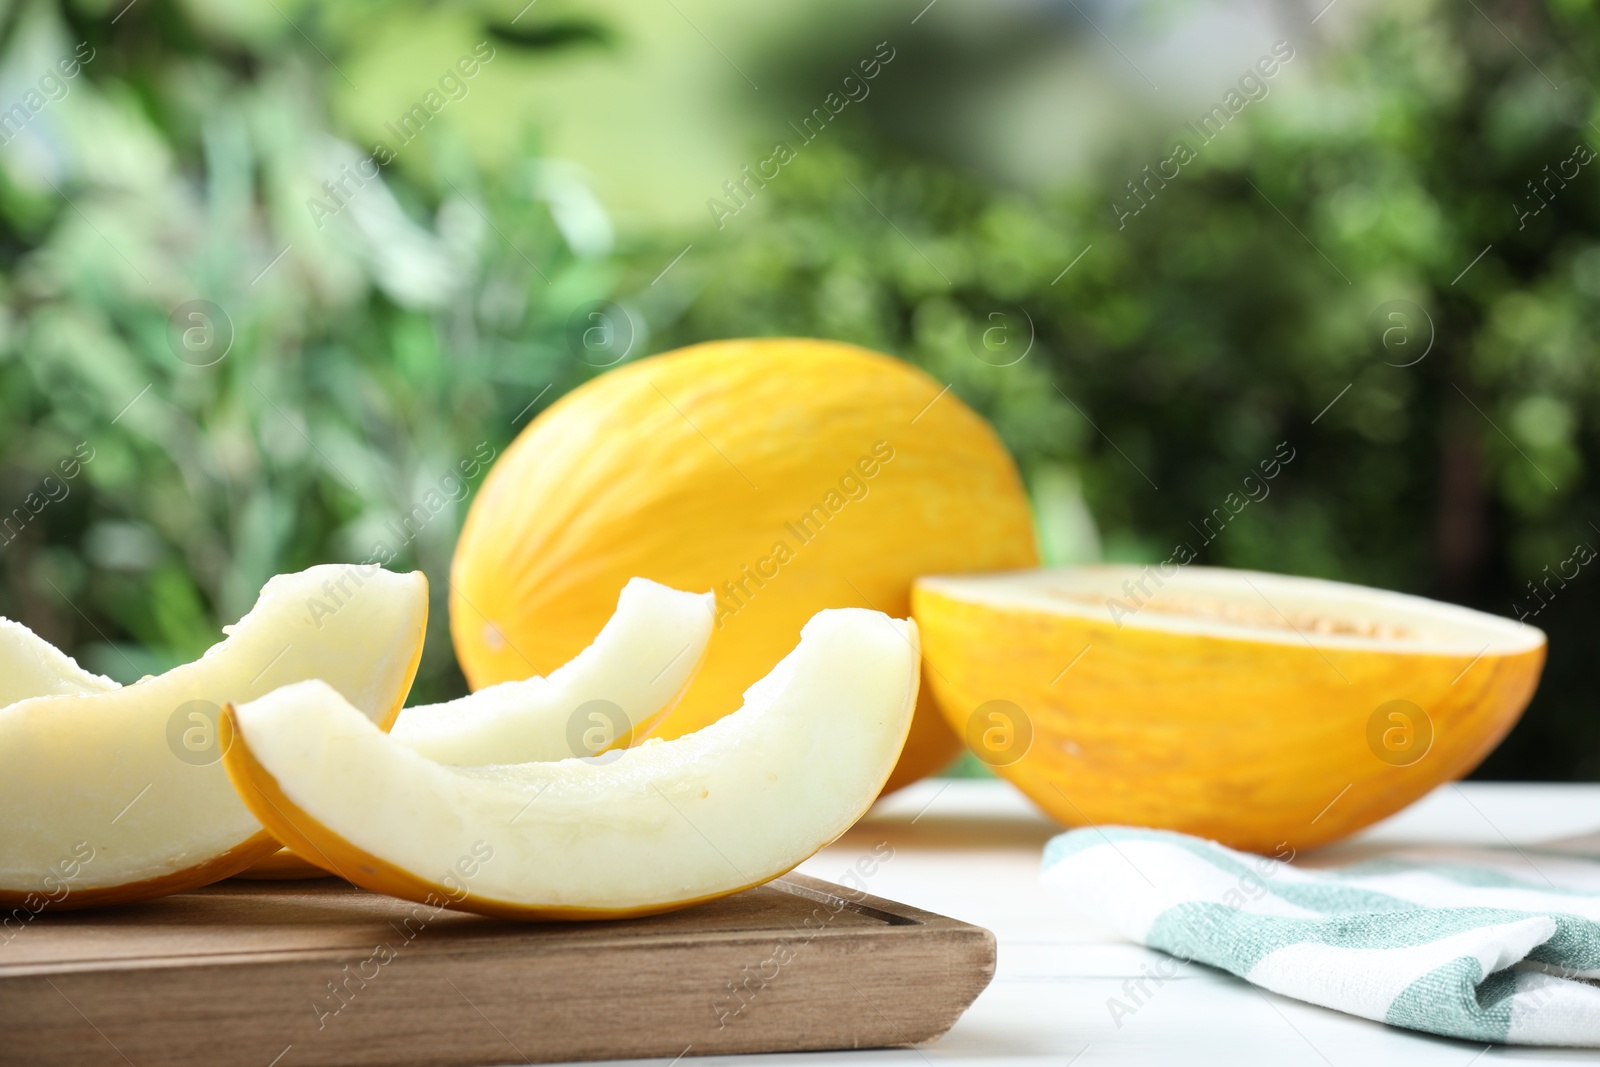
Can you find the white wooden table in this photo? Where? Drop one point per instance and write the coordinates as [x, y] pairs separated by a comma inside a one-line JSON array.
[[971, 850]]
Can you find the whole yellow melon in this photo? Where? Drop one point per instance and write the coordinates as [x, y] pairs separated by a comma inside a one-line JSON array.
[[784, 475]]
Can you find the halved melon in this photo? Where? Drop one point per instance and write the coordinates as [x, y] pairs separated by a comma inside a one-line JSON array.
[[660, 827], [132, 776], [1254, 709], [608, 696], [30, 666]]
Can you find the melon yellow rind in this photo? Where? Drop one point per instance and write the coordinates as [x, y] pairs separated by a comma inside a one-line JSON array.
[[236, 859], [1253, 741], [284, 865]]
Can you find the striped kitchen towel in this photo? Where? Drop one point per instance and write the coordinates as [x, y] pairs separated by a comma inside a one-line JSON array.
[[1486, 945]]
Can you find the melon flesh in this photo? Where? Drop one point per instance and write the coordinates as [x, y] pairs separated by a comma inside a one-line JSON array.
[[30, 666], [1248, 605], [660, 826], [133, 777], [610, 695]]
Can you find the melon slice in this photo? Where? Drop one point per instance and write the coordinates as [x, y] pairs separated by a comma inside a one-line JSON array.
[[609, 696], [132, 776], [284, 865], [1259, 710], [30, 666], [659, 827]]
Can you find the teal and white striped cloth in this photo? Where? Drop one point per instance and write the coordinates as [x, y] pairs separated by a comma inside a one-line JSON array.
[[1486, 945]]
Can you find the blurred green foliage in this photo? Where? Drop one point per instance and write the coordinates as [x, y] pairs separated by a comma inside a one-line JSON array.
[[345, 372], [1244, 306]]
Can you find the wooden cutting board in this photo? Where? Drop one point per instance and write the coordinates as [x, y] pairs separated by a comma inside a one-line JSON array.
[[292, 974]]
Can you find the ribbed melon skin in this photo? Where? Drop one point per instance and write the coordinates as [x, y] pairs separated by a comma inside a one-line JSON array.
[[691, 469], [1256, 744]]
